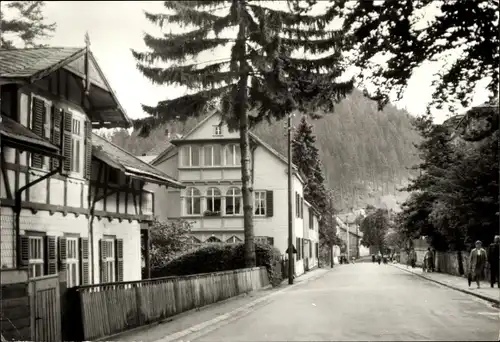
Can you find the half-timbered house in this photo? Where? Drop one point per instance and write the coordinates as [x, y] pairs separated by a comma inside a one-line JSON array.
[[70, 200]]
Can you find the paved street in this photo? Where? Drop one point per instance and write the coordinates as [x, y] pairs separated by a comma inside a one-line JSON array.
[[365, 302]]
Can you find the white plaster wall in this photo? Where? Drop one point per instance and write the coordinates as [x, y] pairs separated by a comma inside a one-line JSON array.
[[7, 238], [206, 131], [130, 232]]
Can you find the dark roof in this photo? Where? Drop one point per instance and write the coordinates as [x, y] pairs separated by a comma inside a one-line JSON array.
[[12, 130], [132, 166], [28, 62], [30, 65]]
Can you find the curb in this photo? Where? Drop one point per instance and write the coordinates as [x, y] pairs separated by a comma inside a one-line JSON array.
[[233, 314], [475, 294]]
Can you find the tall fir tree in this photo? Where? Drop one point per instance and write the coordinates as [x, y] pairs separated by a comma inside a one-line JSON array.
[[260, 74], [305, 156], [25, 22]]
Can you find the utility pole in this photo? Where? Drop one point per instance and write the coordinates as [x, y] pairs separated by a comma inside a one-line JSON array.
[[290, 200]]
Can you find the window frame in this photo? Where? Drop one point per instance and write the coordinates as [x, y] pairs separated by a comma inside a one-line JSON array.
[[110, 259], [212, 149], [189, 156], [191, 197], [212, 194], [217, 130], [233, 193], [260, 195], [72, 262], [232, 148], [77, 124], [40, 260]]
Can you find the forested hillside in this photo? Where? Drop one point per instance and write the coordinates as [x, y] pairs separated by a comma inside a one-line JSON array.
[[365, 153]]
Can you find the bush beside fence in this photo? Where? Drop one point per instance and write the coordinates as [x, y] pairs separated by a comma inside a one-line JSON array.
[[222, 257], [108, 309]]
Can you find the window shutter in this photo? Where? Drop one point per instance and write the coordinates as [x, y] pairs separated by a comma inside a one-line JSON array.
[[25, 250], [50, 255], [269, 203], [296, 205], [38, 117], [302, 246], [66, 148], [84, 261], [88, 149], [301, 207], [55, 137], [310, 249], [119, 259], [62, 253], [103, 249]]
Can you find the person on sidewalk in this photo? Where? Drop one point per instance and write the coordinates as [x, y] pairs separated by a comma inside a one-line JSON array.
[[413, 258], [494, 261], [373, 258], [477, 261], [428, 261]]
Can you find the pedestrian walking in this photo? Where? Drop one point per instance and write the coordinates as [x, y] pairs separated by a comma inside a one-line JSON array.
[[428, 260], [373, 258], [413, 258], [494, 261], [379, 258], [477, 261]]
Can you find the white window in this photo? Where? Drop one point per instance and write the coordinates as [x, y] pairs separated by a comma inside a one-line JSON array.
[[218, 130], [193, 201], [72, 262], [213, 202], [233, 156], [233, 201], [109, 260], [36, 257], [212, 155], [77, 146], [260, 203], [190, 156]]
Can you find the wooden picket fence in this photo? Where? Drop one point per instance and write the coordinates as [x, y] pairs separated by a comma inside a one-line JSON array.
[[106, 309]]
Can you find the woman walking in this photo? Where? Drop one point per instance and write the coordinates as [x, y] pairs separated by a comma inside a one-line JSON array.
[[477, 262]]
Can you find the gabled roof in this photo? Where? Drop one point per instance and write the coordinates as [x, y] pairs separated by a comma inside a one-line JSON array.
[[15, 133], [32, 64], [21, 63], [132, 166], [252, 135]]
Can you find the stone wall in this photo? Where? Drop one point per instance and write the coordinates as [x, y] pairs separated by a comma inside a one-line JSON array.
[[15, 304]]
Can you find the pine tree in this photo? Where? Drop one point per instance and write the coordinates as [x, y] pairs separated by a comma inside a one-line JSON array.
[[28, 24], [306, 158], [259, 75]]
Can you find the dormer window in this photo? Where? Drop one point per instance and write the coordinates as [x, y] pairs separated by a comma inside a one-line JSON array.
[[218, 130]]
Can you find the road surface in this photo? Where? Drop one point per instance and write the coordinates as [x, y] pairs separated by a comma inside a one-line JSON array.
[[365, 301]]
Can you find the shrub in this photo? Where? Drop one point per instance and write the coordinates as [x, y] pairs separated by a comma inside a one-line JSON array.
[[221, 257]]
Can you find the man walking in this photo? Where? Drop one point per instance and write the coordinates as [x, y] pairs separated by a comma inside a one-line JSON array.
[[494, 260], [477, 261]]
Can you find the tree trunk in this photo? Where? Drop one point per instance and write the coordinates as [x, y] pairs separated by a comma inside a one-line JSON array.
[[241, 106]]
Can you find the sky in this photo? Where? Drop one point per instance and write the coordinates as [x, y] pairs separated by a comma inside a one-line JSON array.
[[115, 27]]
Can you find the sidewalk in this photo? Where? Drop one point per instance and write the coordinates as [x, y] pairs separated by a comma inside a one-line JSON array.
[[457, 283], [195, 320]]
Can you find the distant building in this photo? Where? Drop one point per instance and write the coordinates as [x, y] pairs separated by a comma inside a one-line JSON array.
[[207, 161]]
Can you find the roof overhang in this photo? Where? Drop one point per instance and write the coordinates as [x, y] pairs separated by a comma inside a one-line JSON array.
[[134, 172], [17, 136]]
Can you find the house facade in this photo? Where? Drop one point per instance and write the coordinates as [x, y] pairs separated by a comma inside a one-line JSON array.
[[348, 232], [207, 161], [70, 200]]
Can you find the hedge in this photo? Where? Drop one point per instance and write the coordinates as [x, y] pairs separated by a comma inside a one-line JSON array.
[[222, 257]]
